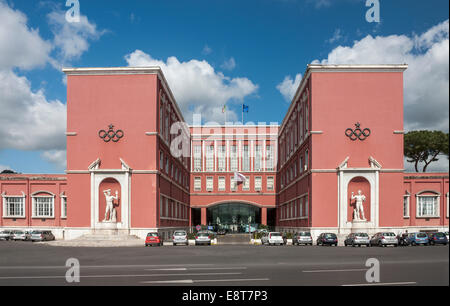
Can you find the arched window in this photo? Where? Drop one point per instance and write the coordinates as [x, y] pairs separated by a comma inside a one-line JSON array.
[[428, 204]]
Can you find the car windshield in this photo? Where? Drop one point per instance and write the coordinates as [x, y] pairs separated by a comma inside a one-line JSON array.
[[36, 232], [180, 234], [305, 234], [152, 235], [275, 234], [330, 236], [361, 235], [440, 235], [19, 233], [202, 234], [389, 234], [421, 235]]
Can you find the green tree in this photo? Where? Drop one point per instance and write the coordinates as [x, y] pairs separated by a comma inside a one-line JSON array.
[[425, 146]]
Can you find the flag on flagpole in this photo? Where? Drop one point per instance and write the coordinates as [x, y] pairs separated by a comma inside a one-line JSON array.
[[244, 108], [239, 177], [224, 109]]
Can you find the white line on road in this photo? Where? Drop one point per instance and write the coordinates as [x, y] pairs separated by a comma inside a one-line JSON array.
[[117, 275], [381, 284], [326, 271], [103, 267], [190, 281], [185, 269]]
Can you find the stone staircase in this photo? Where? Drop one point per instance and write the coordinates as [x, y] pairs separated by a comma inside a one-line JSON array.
[[233, 239], [100, 240]]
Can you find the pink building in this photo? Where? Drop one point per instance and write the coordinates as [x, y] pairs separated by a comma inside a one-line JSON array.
[[334, 164]]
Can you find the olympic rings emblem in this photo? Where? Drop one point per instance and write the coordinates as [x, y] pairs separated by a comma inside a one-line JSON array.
[[109, 135], [357, 133]]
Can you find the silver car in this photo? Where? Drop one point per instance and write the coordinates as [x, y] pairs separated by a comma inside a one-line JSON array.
[[180, 237], [6, 235], [384, 239], [203, 238], [42, 236], [21, 235]]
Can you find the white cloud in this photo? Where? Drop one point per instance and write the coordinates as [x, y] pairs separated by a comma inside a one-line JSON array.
[[28, 120], [56, 157], [229, 64], [427, 78], [288, 87], [197, 86], [20, 46], [206, 50], [71, 39], [336, 36]]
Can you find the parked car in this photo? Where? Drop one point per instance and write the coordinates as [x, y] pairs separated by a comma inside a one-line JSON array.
[[6, 235], [153, 238], [222, 231], [446, 234], [203, 238], [21, 235], [418, 238], [272, 238], [42, 236], [437, 238], [180, 237], [357, 239], [384, 239], [327, 239], [304, 238], [403, 239]]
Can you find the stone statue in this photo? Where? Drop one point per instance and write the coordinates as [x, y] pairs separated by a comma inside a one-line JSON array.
[[359, 209], [110, 206], [249, 219], [218, 221]]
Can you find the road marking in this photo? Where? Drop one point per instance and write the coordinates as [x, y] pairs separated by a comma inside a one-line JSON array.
[[185, 269], [118, 275], [190, 281], [381, 284], [103, 267], [326, 271]]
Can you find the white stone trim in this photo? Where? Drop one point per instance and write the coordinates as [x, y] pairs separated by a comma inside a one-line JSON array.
[[23, 196], [33, 204], [63, 198]]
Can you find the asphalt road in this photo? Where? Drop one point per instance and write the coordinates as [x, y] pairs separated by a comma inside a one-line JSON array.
[[25, 263]]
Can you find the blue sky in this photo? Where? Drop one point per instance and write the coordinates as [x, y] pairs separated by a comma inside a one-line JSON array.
[[256, 49]]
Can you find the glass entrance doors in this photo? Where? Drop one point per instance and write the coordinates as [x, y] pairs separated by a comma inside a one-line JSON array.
[[234, 217]]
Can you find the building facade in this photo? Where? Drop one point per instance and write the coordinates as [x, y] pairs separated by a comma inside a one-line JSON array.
[[133, 165]]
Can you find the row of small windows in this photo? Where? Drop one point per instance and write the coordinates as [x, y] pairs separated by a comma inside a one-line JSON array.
[[245, 162], [42, 206], [221, 183], [290, 173], [427, 206], [171, 209], [173, 171], [295, 209]]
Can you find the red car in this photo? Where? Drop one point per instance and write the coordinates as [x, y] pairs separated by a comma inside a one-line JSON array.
[[153, 239]]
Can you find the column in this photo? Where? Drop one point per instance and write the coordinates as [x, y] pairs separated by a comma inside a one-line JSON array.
[[264, 216], [204, 216]]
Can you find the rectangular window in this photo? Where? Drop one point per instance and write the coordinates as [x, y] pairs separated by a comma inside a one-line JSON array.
[[234, 160], [301, 207], [246, 185], [209, 183], [406, 206], [222, 156], [166, 211], [221, 185], [306, 207], [210, 158], [14, 207], [427, 206], [270, 183], [269, 158], [197, 183], [258, 182], [43, 207], [232, 183], [246, 159], [63, 207], [197, 158], [258, 160], [161, 160], [306, 160], [161, 206]]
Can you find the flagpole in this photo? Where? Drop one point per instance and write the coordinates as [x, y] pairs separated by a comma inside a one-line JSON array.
[[242, 114]]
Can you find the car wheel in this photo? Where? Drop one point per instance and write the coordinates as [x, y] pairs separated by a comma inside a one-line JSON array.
[[353, 244]]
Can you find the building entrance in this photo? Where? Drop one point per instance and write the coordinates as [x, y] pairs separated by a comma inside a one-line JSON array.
[[234, 217]]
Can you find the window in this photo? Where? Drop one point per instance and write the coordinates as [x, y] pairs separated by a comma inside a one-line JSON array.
[[221, 185], [300, 170], [63, 207], [43, 207], [270, 183], [209, 183], [306, 160], [246, 185], [232, 183], [210, 158], [428, 206], [306, 207], [161, 206], [258, 182], [246, 160], [197, 158], [161, 160], [301, 207], [406, 206], [166, 212], [269, 158], [167, 165], [222, 156], [258, 155], [234, 160], [13, 206], [197, 183]]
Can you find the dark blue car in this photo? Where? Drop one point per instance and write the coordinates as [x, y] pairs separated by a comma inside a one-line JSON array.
[[438, 238]]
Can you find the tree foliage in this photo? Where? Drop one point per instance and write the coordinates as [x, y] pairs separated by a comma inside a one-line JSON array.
[[425, 146]]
